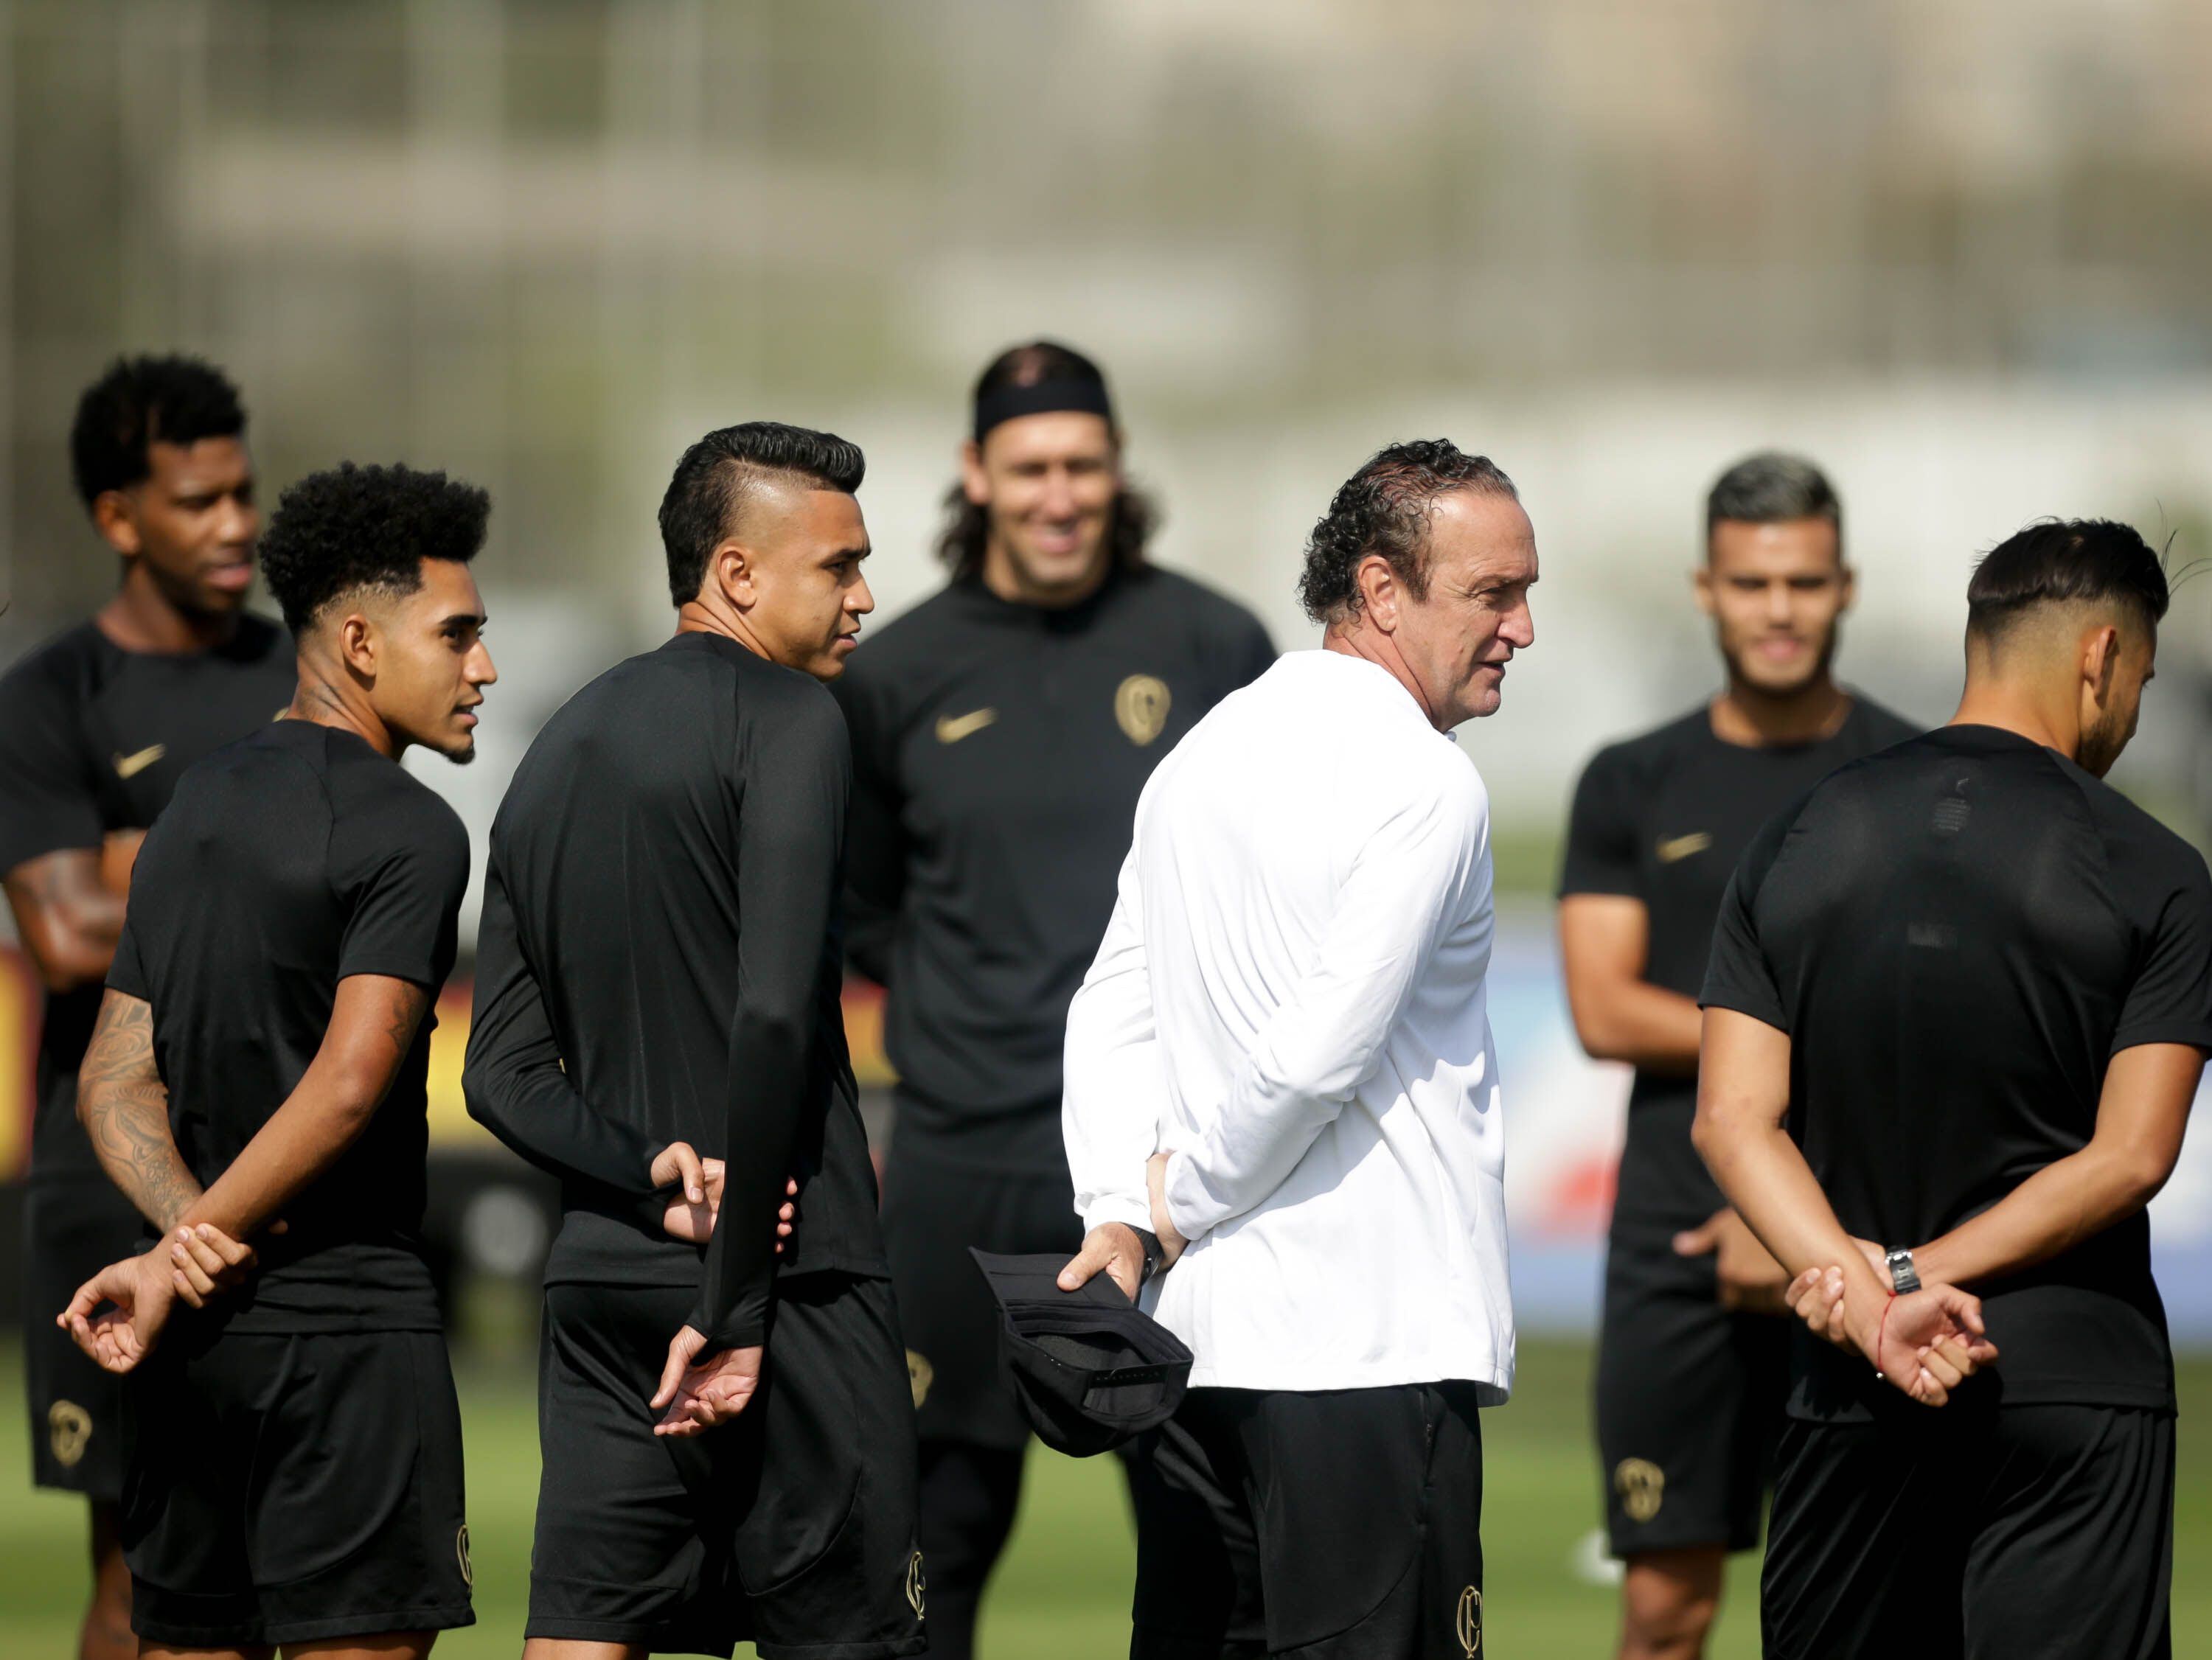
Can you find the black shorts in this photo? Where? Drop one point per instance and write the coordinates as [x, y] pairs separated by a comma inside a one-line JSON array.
[[72, 1229], [1339, 1525], [1689, 1399], [284, 1489], [792, 1526], [936, 1204], [1973, 1532]]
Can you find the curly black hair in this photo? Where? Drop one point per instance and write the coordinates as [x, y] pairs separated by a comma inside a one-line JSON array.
[[141, 401], [351, 528], [712, 479], [1134, 516], [1383, 508]]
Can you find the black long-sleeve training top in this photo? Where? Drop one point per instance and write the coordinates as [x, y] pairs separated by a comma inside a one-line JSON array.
[[657, 963], [998, 752]]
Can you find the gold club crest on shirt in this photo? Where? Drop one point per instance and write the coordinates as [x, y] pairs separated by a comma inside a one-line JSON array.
[[919, 1374], [1141, 705]]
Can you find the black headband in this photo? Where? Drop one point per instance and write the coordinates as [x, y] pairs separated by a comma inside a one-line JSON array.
[[1005, 403]]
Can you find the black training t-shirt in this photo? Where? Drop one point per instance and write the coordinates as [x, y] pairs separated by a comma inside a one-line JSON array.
[[286, 861], [1958, 935], [997, 753], [1663, 818], [92, 739], [658, 962]]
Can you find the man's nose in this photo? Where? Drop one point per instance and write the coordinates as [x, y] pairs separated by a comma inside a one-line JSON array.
[[862, 600], [241, 521], [479, 669], [1059, 496], [1519, 628]]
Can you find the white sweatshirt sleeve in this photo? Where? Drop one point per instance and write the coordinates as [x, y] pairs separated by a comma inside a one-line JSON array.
[[1115, 1096], [1405, 883]]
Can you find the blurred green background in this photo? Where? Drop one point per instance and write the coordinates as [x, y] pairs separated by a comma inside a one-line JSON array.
[[1063, 1590]]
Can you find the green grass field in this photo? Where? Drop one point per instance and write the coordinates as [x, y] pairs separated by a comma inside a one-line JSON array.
[[1064, 1589]]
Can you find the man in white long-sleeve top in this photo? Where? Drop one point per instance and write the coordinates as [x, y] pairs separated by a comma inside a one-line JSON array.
[[1280, 1084]]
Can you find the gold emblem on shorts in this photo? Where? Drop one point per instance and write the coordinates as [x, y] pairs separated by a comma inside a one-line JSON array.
[[461, 1553], [916, 1584], [1468, 1623], [1681, 847], [69, 1426], [1140, 704], [1642, 1486], [919, 1374]]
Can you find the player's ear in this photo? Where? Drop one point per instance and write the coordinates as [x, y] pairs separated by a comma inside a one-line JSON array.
[[975, 482], [2100, 654], [117, 524], [729, 570], [1378, 591], [356, 642]]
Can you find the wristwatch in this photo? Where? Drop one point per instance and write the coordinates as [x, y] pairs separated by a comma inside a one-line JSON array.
[[1903, 1276], [1155, 1253]]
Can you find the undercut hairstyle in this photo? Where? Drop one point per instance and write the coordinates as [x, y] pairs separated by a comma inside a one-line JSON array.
[[707, 496], [1772, 487], [140, 402], [1131, 521], [354, 529], [1384, 508], [2066, 561]]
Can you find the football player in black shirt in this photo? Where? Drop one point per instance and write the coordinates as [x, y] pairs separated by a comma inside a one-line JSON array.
[[1002, 732], [293, 1467], [657, 980], [1959, 1001], [96, 726], [1691, 1354]]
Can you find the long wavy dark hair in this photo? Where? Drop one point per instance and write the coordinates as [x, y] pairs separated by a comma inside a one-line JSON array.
[[967, 530]]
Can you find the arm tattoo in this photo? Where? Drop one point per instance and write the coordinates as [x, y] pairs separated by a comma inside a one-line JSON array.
[[404, 1015], [125, 1107]]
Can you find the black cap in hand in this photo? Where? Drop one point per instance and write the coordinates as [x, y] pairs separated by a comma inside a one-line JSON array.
[[1090, 1369]]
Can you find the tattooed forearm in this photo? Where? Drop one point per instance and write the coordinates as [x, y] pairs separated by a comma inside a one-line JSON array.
[[402, 1016], [125, 1108]]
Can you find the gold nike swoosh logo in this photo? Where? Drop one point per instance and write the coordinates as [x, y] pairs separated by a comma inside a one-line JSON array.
[[950, 729], [1681, 847], [129, 766]]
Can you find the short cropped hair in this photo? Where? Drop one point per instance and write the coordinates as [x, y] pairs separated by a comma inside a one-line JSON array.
[[1384, 508], [141, 401], [2059, 562], [712, 481], [352, 529], [1772, 487]]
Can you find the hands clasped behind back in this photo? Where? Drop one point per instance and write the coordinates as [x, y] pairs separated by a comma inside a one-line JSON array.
[[697, 1395], [1924, 1343], [117, 1317]]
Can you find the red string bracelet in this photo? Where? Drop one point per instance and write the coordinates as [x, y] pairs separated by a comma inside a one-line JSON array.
[[1881, 1331]]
